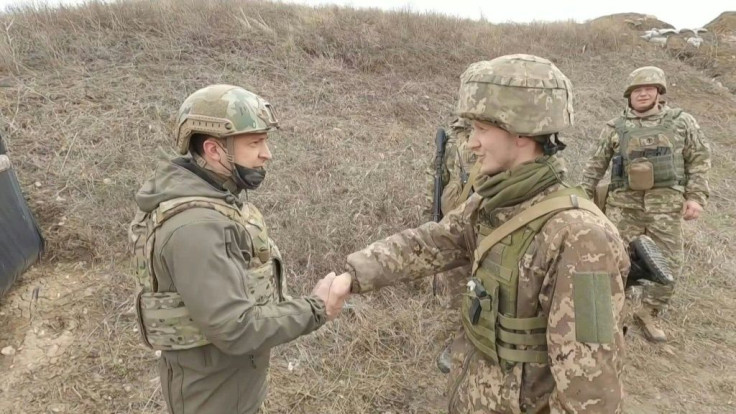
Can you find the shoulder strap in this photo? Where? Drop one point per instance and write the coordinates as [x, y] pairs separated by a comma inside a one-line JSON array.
[[555, 202], [674, 113], [670, 116], [172, 207], [623, 136], [471, 182]]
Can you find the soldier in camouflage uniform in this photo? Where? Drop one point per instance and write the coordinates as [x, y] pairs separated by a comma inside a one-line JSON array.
[[459, 172], [457, 166], [541, 327], [660, 163], [458, 175], [212, 296]]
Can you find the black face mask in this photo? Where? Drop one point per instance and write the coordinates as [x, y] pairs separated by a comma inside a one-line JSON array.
[[248, 178], [245, 178]]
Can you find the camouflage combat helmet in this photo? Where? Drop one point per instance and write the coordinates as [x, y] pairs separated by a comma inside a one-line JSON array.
[[646, 76], [523, 94], [222, 111]]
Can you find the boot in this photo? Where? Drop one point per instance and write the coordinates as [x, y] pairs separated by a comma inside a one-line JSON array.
[[649, 326]]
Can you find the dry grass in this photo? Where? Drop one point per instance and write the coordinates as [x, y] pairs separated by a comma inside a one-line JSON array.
[[91, 93]]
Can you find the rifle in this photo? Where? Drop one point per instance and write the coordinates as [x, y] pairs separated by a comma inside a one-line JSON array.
[[440, 142]]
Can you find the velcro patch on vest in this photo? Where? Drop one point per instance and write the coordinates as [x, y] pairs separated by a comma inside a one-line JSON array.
[[593, 307]]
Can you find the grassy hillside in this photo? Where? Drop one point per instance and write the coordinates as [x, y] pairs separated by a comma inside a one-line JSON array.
[[88, 95]]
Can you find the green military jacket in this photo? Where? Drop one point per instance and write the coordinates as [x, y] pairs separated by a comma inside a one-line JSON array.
[[205, 257]]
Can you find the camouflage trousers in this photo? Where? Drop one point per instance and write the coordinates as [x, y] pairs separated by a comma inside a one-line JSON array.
[[666, 231]]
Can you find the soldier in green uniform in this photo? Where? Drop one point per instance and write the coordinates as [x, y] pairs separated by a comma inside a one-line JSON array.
[[212, 293], [659, 176]]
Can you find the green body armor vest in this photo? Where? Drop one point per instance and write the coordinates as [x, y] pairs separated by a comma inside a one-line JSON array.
[[163, 319], [652, 157], [489, 307]]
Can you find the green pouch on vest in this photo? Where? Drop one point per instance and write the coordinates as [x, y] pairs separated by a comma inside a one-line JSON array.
[[641, 174], [483, 321], [593, 307], [664, 170]]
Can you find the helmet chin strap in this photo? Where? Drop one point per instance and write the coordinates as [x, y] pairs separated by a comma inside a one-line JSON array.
[[553, 145], [227, 181], [228, 155], [202, 162], [239, 178]]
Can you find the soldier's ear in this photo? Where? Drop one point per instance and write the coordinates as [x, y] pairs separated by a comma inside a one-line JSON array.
[[211, 148]]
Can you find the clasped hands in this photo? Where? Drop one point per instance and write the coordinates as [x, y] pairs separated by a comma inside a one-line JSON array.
[[333, 290]]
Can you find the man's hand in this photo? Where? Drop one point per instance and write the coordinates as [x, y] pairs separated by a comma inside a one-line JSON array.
[[691, 210], [339, 292], [322, 291], [333, 290]]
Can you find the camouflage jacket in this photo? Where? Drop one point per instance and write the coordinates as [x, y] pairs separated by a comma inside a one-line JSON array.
[[459, 161], [695, 151], [579, 377], [203, 255]]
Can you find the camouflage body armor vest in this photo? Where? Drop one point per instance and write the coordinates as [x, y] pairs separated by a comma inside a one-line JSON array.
[[489, 307], [649, 157], [163, 319]]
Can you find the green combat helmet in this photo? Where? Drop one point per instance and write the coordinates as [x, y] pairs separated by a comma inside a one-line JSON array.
[[523, 94], [222, 111], [646, 76]]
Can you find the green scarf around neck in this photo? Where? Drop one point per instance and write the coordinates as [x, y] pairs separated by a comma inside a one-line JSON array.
[[520, 183]]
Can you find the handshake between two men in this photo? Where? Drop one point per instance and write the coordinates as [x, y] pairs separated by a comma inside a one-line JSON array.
[[333, 290]]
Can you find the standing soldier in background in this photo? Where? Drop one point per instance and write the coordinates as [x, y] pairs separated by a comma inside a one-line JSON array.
[[659, 176], [212, 294], [458, 172], [458, 166], [541, 327]]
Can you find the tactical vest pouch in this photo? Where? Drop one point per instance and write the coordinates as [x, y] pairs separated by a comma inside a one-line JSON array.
[[641, 174], [164, 322], [497, 336], [260, 283], [665, 174], [656, 145], [482, 330]]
